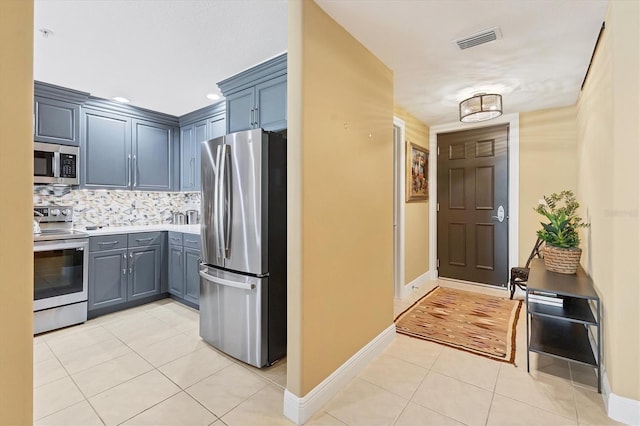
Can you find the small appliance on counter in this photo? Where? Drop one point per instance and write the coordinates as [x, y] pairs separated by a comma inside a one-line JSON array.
[[60, 266], [193, 217], [243, 284], [178, 218]]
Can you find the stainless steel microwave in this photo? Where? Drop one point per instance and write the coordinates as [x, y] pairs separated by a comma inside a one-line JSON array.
[[56, 163]]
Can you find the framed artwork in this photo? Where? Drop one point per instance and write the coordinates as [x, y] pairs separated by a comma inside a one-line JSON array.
[[417, 173]]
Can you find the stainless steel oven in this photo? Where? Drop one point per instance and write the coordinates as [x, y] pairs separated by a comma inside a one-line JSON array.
[[60, 264]]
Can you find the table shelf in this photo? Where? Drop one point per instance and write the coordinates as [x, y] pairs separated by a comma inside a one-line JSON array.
[[563, 331]]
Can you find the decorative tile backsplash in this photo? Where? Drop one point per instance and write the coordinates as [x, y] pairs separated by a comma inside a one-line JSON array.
[[121, 208]]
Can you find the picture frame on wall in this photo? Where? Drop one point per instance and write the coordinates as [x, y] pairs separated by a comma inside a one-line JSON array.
[[417, 173]]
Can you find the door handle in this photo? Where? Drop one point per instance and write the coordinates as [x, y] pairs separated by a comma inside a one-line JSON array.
[[135, 172], [227, 283], [252, 115], [129, 170], [500, 216], [130, 263], [124, 258]]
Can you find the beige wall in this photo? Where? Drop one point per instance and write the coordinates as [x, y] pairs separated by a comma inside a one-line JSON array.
[[548, 163], [416, 214], [342, 276], [16, 174], [608, 181]]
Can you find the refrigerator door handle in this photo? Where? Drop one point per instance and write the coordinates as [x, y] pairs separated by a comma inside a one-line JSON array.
[[227, 200], [216, 204], [228, 283]]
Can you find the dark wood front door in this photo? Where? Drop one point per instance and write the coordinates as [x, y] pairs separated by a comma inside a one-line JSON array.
[[473, 200]]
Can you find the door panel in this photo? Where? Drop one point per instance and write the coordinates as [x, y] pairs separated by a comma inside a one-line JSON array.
[[107, 150], [272, 104], [152, 156], [232, 315], [107, 278], [472, 184], [209, 221], [246, 252], [144, 279], [241, 110], [176, 271]]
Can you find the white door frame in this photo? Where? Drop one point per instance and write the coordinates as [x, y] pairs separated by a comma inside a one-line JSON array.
[[514, 183], [399, 164]]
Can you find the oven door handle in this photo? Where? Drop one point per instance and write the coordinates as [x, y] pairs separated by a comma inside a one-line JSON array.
[[80, 245]]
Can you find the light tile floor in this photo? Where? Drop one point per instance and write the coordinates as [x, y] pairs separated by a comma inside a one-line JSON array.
[[148, 366]]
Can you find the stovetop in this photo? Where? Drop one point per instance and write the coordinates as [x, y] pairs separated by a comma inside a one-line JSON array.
[[58, 234]]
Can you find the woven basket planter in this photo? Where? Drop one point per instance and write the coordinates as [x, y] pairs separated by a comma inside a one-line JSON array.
[[562, 260]]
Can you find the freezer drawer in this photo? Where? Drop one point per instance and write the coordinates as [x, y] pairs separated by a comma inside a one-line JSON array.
[[233, 314]]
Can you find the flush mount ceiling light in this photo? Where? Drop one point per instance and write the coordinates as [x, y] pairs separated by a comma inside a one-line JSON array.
[[213, 96], [480, 107], [121, 99]]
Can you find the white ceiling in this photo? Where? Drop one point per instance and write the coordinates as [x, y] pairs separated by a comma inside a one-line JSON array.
[[165, 55]]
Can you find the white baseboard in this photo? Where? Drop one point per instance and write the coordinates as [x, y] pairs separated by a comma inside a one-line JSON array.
[[619, 408], [300, 409], [408, 288]]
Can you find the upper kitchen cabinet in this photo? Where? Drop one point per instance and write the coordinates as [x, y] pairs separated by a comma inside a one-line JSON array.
[[257, 97], [152, 147], [106, 150], [196, 127], [128, 148], [57, 114]]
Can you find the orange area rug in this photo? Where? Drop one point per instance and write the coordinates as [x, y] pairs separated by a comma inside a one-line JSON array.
[[473, 322]]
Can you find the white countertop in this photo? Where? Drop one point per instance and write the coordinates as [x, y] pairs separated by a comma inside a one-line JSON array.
[[110, 230]]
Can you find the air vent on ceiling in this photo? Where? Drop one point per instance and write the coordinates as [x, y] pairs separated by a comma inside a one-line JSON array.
[[482, 37]]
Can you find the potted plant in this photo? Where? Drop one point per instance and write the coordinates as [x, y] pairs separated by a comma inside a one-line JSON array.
[[560, 234]]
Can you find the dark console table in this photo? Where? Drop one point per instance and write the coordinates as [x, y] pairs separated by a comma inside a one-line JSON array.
[[563, 331]]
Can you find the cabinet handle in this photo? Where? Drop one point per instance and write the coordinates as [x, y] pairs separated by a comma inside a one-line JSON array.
[[124, 270], [257, 117], [130, 263], [175, 239], [252, 115], [141, 240], [129, 170], [193, 171], [135, 172], [191, 241], [107, 243]]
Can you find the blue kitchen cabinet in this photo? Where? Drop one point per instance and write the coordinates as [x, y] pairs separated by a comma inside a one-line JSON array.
[[125, 269], [57, 114], [151, 161], [257, 97], [190, 137], [176, 270], [261, 106], [198, 126], [121, 152], [56, 121], [184, 267], [106, 150], [107, 278]]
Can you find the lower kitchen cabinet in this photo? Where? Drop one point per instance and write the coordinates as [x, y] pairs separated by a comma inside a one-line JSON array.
[[107, 278], [184, 267], [124, 268]]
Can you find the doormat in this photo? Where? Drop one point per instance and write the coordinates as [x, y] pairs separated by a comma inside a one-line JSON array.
[[473, 322]]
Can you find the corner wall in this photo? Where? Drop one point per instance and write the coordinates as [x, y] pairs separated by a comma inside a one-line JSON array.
[[341, 197], [416, 214], [608, 185], [16, 244], [548, 149]]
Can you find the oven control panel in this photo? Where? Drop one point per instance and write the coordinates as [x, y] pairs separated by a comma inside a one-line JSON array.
[[53, 213]]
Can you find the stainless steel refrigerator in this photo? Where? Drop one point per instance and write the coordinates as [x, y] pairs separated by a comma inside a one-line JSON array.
[[243, 228]]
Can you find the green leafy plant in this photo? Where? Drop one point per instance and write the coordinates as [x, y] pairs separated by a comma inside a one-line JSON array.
[[562, 229]]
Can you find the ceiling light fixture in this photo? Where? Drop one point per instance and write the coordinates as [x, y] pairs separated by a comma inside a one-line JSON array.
[[121, 99], [213, 96], [481, 107]]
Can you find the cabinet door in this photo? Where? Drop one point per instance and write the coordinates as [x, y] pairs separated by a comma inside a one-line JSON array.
[[192, 275], [240, 110], [187, 140], [107, 150], [217, 127], [201, 135], [176, 271], [107, 278], [56, 121], [272, 104], [145, 267], [151, 156]]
